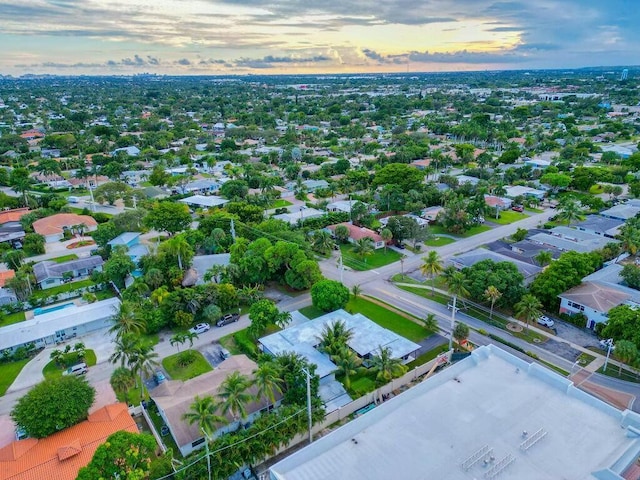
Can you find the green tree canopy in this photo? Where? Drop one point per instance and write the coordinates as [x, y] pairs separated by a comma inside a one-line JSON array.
[[403, 175], [329, 295], [502, 275], [168, 217], [54, 404]]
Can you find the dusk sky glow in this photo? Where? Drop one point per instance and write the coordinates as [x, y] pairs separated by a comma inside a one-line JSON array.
[[332, 36]]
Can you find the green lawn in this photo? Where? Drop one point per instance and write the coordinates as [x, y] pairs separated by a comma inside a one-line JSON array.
[[437, 241], [534, 210], [12, 318], [428, 356], [9, 372], [438, 229], [596, 189], [67, 287], [388, 319], [280, 203], [178, 372], [379, 258], [613, 371], [311, 312], [362, 383], [65, 258], [51, 370], [507, 217]]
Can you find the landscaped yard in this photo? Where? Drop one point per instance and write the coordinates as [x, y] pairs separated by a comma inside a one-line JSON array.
[[388, 319], [507, 217], [12, 318], [67, 287], [52, 370], [281, 203], [177, 371], [65, 258], [437, 241], [428, 356], [9, 372], [362, 383], [311, 312], [438, 229], [379, 258]]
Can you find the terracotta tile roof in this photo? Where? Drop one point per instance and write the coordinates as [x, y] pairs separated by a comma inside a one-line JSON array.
[[5, 276], [55, 223], [14, 215], [356, 233], [61, 455]]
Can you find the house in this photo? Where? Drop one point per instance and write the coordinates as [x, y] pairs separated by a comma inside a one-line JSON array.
[[565, 239], [175, 397], [537, 163], [310, 185], [422, 223], [472, 412], [203, 186], [599, 225], [623, 211], [341, 206], [466, 179], [10, 227], [51, 274], [431, 213], [7, 296], [522, 191], [469, 259], [131, 240], [52, 228], [304, 339], [302, 214], [60, 456], [498, 203], [202, 263], [421, 164], [67, 321], [132, 151], [597, 294], [200, 201], [357, 233]]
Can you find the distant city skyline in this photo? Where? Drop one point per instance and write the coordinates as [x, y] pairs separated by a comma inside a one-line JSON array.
[[294, 36]]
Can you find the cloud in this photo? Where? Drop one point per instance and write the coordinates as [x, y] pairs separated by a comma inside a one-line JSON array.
[[373, 55], [184, 61], [270, 61]]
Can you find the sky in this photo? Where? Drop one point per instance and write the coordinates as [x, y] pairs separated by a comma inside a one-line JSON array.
[[197, 37]]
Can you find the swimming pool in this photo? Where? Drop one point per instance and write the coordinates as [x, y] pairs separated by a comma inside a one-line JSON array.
[[42, 310]]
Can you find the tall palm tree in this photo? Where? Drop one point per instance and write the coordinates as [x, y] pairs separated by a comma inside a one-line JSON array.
[[125, 349], [268, 381], [493, 295], [363, 248], [385, 366], [544, 258], [570, 210], [234, 392], [321, 241], [334, 336], [204, 413], [457, 284], [387, 236], [179, 247], [431, 267], [347, 363], [122, 380], [627, 352], [528, 309], [356, 291], [126, 320], [144, 361], [181, 338]]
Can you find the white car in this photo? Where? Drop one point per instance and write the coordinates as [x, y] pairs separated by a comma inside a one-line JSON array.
[[200, 328], [545, 321], [450, 306]]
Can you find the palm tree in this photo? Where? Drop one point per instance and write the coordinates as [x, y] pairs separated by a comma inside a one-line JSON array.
[[387, 236], [431, 267], [126, 320], [528, 309], [543, 258], [181, 338], [234, 394], [363, 248], [570, 210], [334, 336], [493, 295], [321, 241], [179, 247], [431, 323], [356, 290], [122, 380], [204, 413], [385, 366], [627, 352], [268, 381], [347, 363], [143, 362], [457, 283], [125, 350]]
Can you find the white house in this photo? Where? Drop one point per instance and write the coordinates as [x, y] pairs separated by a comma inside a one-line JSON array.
[[50, 274]]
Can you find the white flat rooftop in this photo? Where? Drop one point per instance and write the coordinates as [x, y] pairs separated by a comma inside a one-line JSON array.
[[202, 201], [488, 399]]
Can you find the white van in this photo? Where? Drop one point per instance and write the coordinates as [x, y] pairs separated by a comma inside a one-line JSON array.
[[79, 369], [72, 199]]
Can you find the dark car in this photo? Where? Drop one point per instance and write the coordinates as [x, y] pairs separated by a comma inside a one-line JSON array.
[[227, 319]]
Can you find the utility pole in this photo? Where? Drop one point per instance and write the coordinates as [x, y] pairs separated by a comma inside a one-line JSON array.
[[206, 446], [233, 230], [341, 268], [606, 360], [308, 375], [453, 321]]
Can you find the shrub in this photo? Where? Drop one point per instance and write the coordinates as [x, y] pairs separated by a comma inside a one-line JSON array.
[[245, 344]]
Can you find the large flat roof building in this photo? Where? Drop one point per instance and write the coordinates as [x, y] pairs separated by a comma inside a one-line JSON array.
[[489, 414]]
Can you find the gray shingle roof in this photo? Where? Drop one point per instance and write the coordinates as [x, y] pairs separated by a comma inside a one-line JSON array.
[[49, 269]]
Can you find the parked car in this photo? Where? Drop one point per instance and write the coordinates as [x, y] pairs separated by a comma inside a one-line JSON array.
[[159, 377], [545, 321], [224, 353], [517, 208], [79, 369], [200, 328], [164, 430], [227, 319], [21, 433], [605, 343]]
